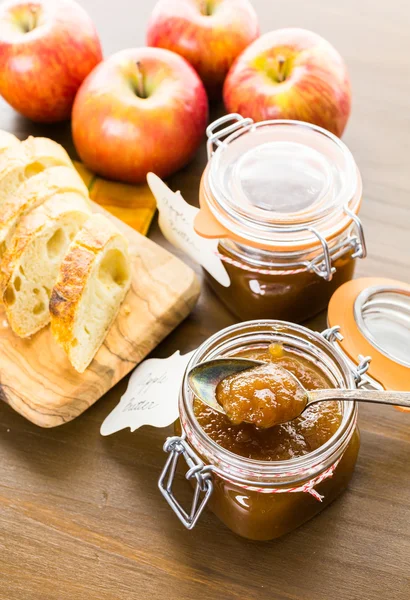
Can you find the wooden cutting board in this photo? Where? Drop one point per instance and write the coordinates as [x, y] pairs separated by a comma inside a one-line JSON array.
[[36, 378]]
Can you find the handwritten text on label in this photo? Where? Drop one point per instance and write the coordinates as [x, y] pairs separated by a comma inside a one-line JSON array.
[[176, 220], [151, 397]]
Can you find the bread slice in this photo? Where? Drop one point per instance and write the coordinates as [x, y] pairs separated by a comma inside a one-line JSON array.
[[33, 192], [28, 158], [7, 140], [94, 278], [31, 262]]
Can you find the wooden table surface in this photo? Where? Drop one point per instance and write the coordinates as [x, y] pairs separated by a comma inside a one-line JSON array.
[[81, 516]]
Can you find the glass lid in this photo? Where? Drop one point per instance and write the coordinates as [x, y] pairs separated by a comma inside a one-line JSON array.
[[280, 177], [374, 319], [271, 182], [383, 317]]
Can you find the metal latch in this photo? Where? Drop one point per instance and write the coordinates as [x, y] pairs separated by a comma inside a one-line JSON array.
[[215, 135], [355, 242], [176, 447], [359, 370]]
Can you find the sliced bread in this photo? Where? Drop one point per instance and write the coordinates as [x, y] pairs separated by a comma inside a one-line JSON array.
[[33, 192], [28, 158], [7, 140], [30, 265], [94, 278]]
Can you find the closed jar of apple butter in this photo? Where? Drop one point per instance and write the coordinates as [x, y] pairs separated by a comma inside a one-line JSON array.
[[263, 483], [282, 199]]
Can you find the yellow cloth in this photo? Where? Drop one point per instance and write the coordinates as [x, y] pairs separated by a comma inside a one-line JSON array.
[[133, 204]]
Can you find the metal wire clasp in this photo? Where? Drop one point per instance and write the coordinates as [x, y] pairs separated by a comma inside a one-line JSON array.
[[235, 121], [355, 243], [333, 335], [177, 446]]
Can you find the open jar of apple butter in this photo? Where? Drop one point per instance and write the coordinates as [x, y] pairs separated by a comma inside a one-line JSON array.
[[263, 483], [282, 198]]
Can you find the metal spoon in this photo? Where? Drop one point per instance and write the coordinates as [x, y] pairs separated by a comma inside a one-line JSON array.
[[204, 378]]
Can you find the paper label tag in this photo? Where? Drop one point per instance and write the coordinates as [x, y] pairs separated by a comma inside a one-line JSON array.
[[151, 397], [176, 221]]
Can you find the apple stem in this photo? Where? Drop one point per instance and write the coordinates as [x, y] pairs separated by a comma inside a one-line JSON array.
[[32, 20], [204, 8], [281, 63], [140, 81]]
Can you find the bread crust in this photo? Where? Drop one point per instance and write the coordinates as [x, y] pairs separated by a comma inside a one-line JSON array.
[[66, 296]]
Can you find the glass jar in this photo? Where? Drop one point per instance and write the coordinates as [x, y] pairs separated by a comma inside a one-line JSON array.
[[263, 500], [282, 197]]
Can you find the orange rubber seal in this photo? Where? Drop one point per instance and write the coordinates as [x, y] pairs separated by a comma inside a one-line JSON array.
[[390, 374]]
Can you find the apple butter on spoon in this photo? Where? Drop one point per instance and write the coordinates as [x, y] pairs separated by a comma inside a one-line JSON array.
[[266, 394]]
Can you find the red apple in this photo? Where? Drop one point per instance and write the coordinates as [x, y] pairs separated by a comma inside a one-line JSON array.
[[290, 74], [210, 34], [141, 110], [47, 48]]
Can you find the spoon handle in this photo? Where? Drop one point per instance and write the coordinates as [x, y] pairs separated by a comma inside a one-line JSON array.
[[361, 395]]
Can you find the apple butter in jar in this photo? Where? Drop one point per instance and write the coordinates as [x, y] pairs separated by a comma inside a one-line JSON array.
[[282, 197], [265, 441], [264, 482]]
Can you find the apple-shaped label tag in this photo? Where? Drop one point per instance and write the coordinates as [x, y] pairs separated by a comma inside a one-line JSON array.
[[151, 397], [176, 221]]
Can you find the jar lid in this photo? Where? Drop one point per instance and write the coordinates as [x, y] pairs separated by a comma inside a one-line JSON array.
[[277, 184], [374, 316]]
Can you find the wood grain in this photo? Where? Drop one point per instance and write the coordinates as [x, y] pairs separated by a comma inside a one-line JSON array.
[[81, 516], [36, 377]]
